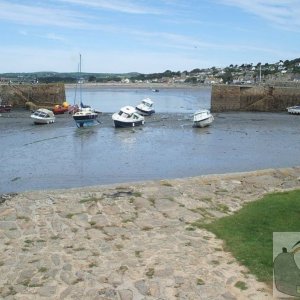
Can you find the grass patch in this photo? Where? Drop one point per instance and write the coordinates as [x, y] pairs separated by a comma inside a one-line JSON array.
[[248, 234], [137, 194], [93, 264], [137, 253], [26, 219], [152, 201], [222, 208], [43, 269], [241, 285], [200, 281], [87, 200], [165, 183], [150, 273]]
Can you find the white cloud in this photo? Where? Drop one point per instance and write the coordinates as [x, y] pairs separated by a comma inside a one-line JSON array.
[[283, 13], [129, 7], [38, 15]]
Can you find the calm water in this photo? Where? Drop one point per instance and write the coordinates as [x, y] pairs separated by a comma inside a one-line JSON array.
[[166, 100], [61, 155]]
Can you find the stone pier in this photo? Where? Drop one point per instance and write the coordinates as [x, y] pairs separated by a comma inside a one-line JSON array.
[[265, 98]]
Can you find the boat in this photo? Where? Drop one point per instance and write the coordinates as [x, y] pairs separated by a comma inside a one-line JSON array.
[[294, 110], [4, 107], [127, 117], [43, 116], [202, 118], [155, 90], [145, 108], [85, 115]]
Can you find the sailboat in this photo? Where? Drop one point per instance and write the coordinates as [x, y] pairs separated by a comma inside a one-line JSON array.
[[85, 115]]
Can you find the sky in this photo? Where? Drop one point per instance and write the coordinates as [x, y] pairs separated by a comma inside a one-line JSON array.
[[146, 36]]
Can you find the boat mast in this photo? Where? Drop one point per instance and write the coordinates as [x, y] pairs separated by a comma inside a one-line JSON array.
[[80, 91]]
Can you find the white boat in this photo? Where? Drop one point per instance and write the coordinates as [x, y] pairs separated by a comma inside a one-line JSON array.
[[43, 116], [145, 108], [294, 110], [127, 117], [202, 118], [84, 115]]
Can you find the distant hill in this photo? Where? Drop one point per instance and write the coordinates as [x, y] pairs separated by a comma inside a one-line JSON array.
[[232, 73]]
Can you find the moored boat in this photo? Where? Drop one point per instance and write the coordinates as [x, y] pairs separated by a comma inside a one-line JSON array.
[[85, 116], [4, 107], [145, 108], [202, 118], [294, 110], [127, 117], [43, 116]]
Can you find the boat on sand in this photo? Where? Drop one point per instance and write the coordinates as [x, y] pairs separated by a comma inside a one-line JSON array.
[[145, 108], [294, 110], [202, 118], [127, 117], [43, 116]]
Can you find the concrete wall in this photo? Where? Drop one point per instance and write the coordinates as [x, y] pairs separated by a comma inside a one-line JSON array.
[[253, 98], [45, 95]]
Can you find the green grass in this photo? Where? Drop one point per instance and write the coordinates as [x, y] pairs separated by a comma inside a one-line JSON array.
[[248, 234]]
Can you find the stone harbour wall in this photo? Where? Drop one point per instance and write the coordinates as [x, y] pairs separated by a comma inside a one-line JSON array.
[[39, 94], [264, 98]]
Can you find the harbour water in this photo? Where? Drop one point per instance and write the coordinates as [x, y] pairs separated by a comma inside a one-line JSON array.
[[61, 155]]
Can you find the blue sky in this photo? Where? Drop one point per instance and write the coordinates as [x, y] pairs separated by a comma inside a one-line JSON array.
[[146, 36]]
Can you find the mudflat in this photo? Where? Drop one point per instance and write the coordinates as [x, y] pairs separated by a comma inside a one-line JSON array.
[[60, 155]]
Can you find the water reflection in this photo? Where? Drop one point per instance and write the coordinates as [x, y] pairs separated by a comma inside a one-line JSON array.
[[85, 134], [127, 136], [167, 100]]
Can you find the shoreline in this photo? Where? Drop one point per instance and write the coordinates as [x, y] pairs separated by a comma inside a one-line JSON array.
[[131, 240]]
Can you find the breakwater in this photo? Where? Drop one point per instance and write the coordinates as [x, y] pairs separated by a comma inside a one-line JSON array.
[[266, 98], [39, 94]]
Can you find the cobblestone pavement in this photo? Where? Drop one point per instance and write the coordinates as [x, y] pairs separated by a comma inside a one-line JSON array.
[[129, 241]]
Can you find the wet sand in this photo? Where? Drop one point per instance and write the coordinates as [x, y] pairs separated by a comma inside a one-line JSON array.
[[167, 146]]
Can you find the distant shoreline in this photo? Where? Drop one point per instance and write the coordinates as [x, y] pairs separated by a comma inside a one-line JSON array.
[[152, 86]]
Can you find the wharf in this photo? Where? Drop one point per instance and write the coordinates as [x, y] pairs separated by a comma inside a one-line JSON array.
[[130, 241]]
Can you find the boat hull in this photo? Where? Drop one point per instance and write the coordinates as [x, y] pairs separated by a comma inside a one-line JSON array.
[[59, 111], [83, 120], [294, 110], [5, 108], [43, 121], [145, 112], [203, 123], [122, 124]]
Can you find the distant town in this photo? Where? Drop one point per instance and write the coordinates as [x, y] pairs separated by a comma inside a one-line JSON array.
[[281, 71]]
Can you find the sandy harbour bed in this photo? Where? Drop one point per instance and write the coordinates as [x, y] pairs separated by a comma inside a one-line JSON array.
[[130, 241]]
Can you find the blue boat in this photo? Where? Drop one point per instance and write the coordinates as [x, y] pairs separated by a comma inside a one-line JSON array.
[[84, 115]]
